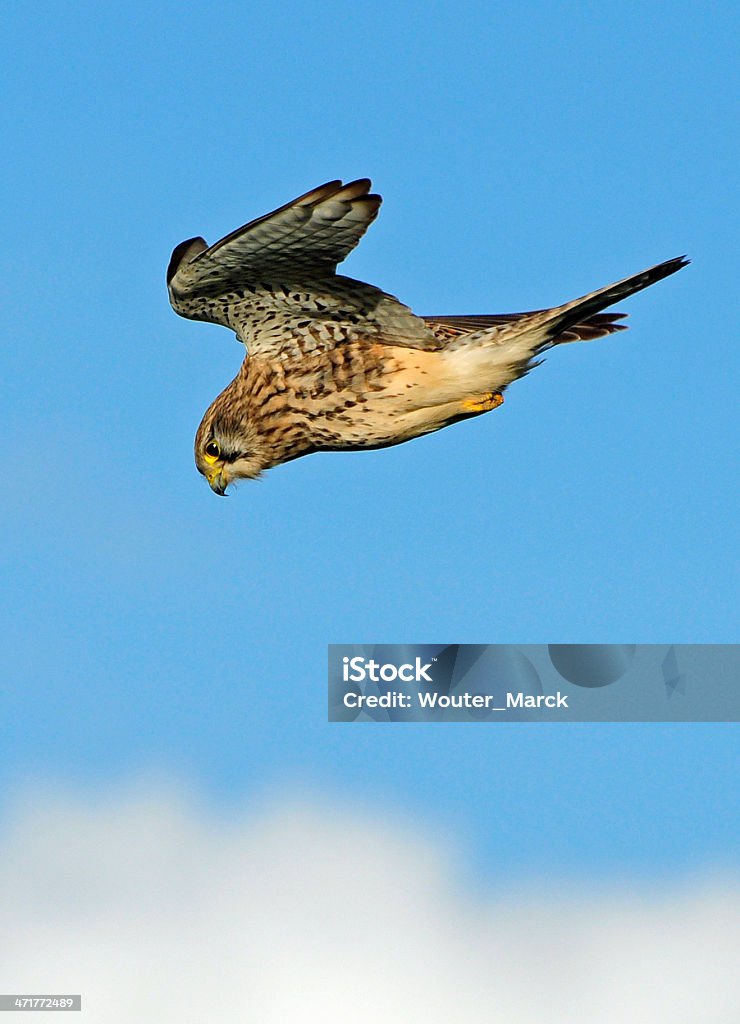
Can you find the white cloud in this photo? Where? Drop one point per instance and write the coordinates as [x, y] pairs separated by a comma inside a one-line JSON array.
[[155, 911]]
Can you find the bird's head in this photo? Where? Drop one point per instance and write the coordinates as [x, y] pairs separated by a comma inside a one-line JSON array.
[[227, 447]]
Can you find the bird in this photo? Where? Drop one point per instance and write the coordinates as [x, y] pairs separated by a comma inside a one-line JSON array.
[[334, 364]]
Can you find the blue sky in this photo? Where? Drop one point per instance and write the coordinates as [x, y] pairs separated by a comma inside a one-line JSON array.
[[525, 155]]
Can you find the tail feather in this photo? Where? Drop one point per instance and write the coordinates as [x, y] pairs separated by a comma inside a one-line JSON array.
[[447, 328], [501, 349], [555, 322], [578, 320]]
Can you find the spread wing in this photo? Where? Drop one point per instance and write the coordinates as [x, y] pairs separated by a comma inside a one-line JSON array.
[[313, 233], [274, 280]]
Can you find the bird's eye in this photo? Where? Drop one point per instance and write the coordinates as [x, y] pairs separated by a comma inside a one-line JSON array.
[[212, 451]]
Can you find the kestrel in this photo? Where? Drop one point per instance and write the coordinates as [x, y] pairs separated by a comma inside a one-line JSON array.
[[333, 364]]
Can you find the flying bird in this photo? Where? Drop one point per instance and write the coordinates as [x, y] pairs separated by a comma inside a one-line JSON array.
[[334, 364]]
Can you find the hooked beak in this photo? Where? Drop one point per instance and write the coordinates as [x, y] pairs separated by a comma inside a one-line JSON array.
[[218, 480]]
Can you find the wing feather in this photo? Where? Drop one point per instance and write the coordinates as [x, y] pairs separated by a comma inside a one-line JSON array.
[[274, 280], [311, 234]]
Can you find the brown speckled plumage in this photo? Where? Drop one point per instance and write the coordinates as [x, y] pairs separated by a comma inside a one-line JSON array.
[[336, 364]]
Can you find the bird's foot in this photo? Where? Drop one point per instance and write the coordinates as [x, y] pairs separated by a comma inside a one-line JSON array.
[[484, 403]]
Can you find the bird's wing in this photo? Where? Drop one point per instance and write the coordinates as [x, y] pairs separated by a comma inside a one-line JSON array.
[[314, 232], [274, 280]]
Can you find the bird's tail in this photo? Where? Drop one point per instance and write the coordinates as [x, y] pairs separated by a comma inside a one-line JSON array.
[[550, 324], [501, 352]]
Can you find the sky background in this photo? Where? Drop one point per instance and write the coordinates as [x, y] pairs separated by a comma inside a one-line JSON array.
[[526, 154]]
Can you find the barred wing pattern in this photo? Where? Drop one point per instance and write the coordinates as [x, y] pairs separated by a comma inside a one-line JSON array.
[[312, 233], [273, 281]]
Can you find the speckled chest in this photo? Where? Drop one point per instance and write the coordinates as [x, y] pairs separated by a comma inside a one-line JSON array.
[[345, 397]]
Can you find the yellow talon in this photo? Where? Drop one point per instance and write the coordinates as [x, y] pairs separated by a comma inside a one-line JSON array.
[[491, 400]]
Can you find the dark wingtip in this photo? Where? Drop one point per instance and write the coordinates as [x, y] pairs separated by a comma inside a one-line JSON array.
[[181, 252], [359, 190]]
